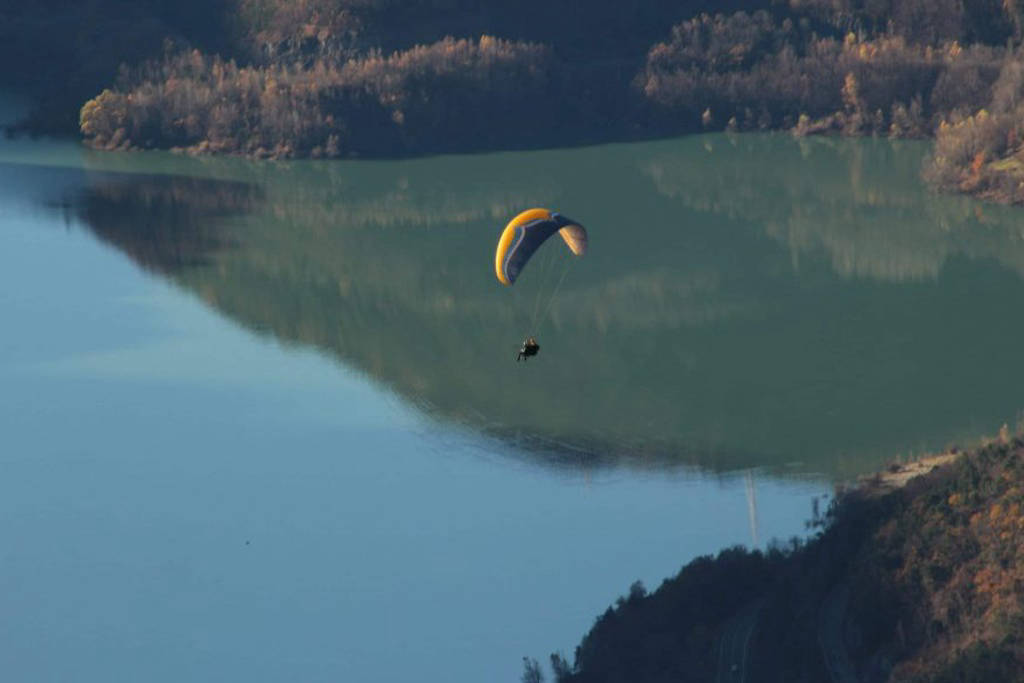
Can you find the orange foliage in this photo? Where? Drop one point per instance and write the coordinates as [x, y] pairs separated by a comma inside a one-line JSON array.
[[409, 98]]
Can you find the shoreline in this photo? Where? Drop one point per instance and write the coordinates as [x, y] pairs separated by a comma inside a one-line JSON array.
[[898, 475], [911, 577]]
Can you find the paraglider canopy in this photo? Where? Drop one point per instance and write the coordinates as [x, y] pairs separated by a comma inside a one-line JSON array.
[[525, 233]]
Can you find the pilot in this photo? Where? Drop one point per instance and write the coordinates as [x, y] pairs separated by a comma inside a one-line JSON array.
[[530, 348]]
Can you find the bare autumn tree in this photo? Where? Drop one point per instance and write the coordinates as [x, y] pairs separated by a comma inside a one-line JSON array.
[[453, 91], [532, 673]]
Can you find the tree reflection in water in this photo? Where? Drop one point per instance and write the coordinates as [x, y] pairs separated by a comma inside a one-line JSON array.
[[748, 301]]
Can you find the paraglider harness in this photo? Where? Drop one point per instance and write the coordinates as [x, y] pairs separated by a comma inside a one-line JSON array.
[[530, 348]]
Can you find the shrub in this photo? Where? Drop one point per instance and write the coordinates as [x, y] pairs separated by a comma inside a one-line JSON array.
[[753, 69], [456, 89], [982, 153]]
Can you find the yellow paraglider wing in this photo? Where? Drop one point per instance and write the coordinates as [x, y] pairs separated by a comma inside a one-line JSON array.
[[525, 233]]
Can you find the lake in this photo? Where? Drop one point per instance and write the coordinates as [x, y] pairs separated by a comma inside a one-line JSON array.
[[263, 421]]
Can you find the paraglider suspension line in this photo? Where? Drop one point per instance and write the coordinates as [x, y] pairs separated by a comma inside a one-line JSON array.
[[546, 267], [551, 300]]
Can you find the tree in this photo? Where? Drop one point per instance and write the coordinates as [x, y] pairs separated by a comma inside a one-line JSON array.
[[560, 667], [531, 671]]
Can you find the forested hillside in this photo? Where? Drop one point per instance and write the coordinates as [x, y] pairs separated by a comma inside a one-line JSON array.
[[919, 584], [334, 78]]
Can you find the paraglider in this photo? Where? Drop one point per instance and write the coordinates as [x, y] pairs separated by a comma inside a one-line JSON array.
[[530, 348], [521, 239]]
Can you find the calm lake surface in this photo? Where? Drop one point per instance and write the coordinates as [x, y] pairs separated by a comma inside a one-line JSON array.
[[262, 421]]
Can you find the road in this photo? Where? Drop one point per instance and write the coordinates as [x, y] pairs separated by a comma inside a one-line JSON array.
[[734, 644], [830, 635]]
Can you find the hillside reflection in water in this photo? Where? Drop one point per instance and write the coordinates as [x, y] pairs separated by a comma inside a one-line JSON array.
[[751, 301]]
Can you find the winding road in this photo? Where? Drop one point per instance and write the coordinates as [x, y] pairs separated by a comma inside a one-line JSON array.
[[830, 635], [734, 643]]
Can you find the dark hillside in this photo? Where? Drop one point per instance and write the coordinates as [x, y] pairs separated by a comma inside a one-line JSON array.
[[338, 78], [921, 583], [62, 53]]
